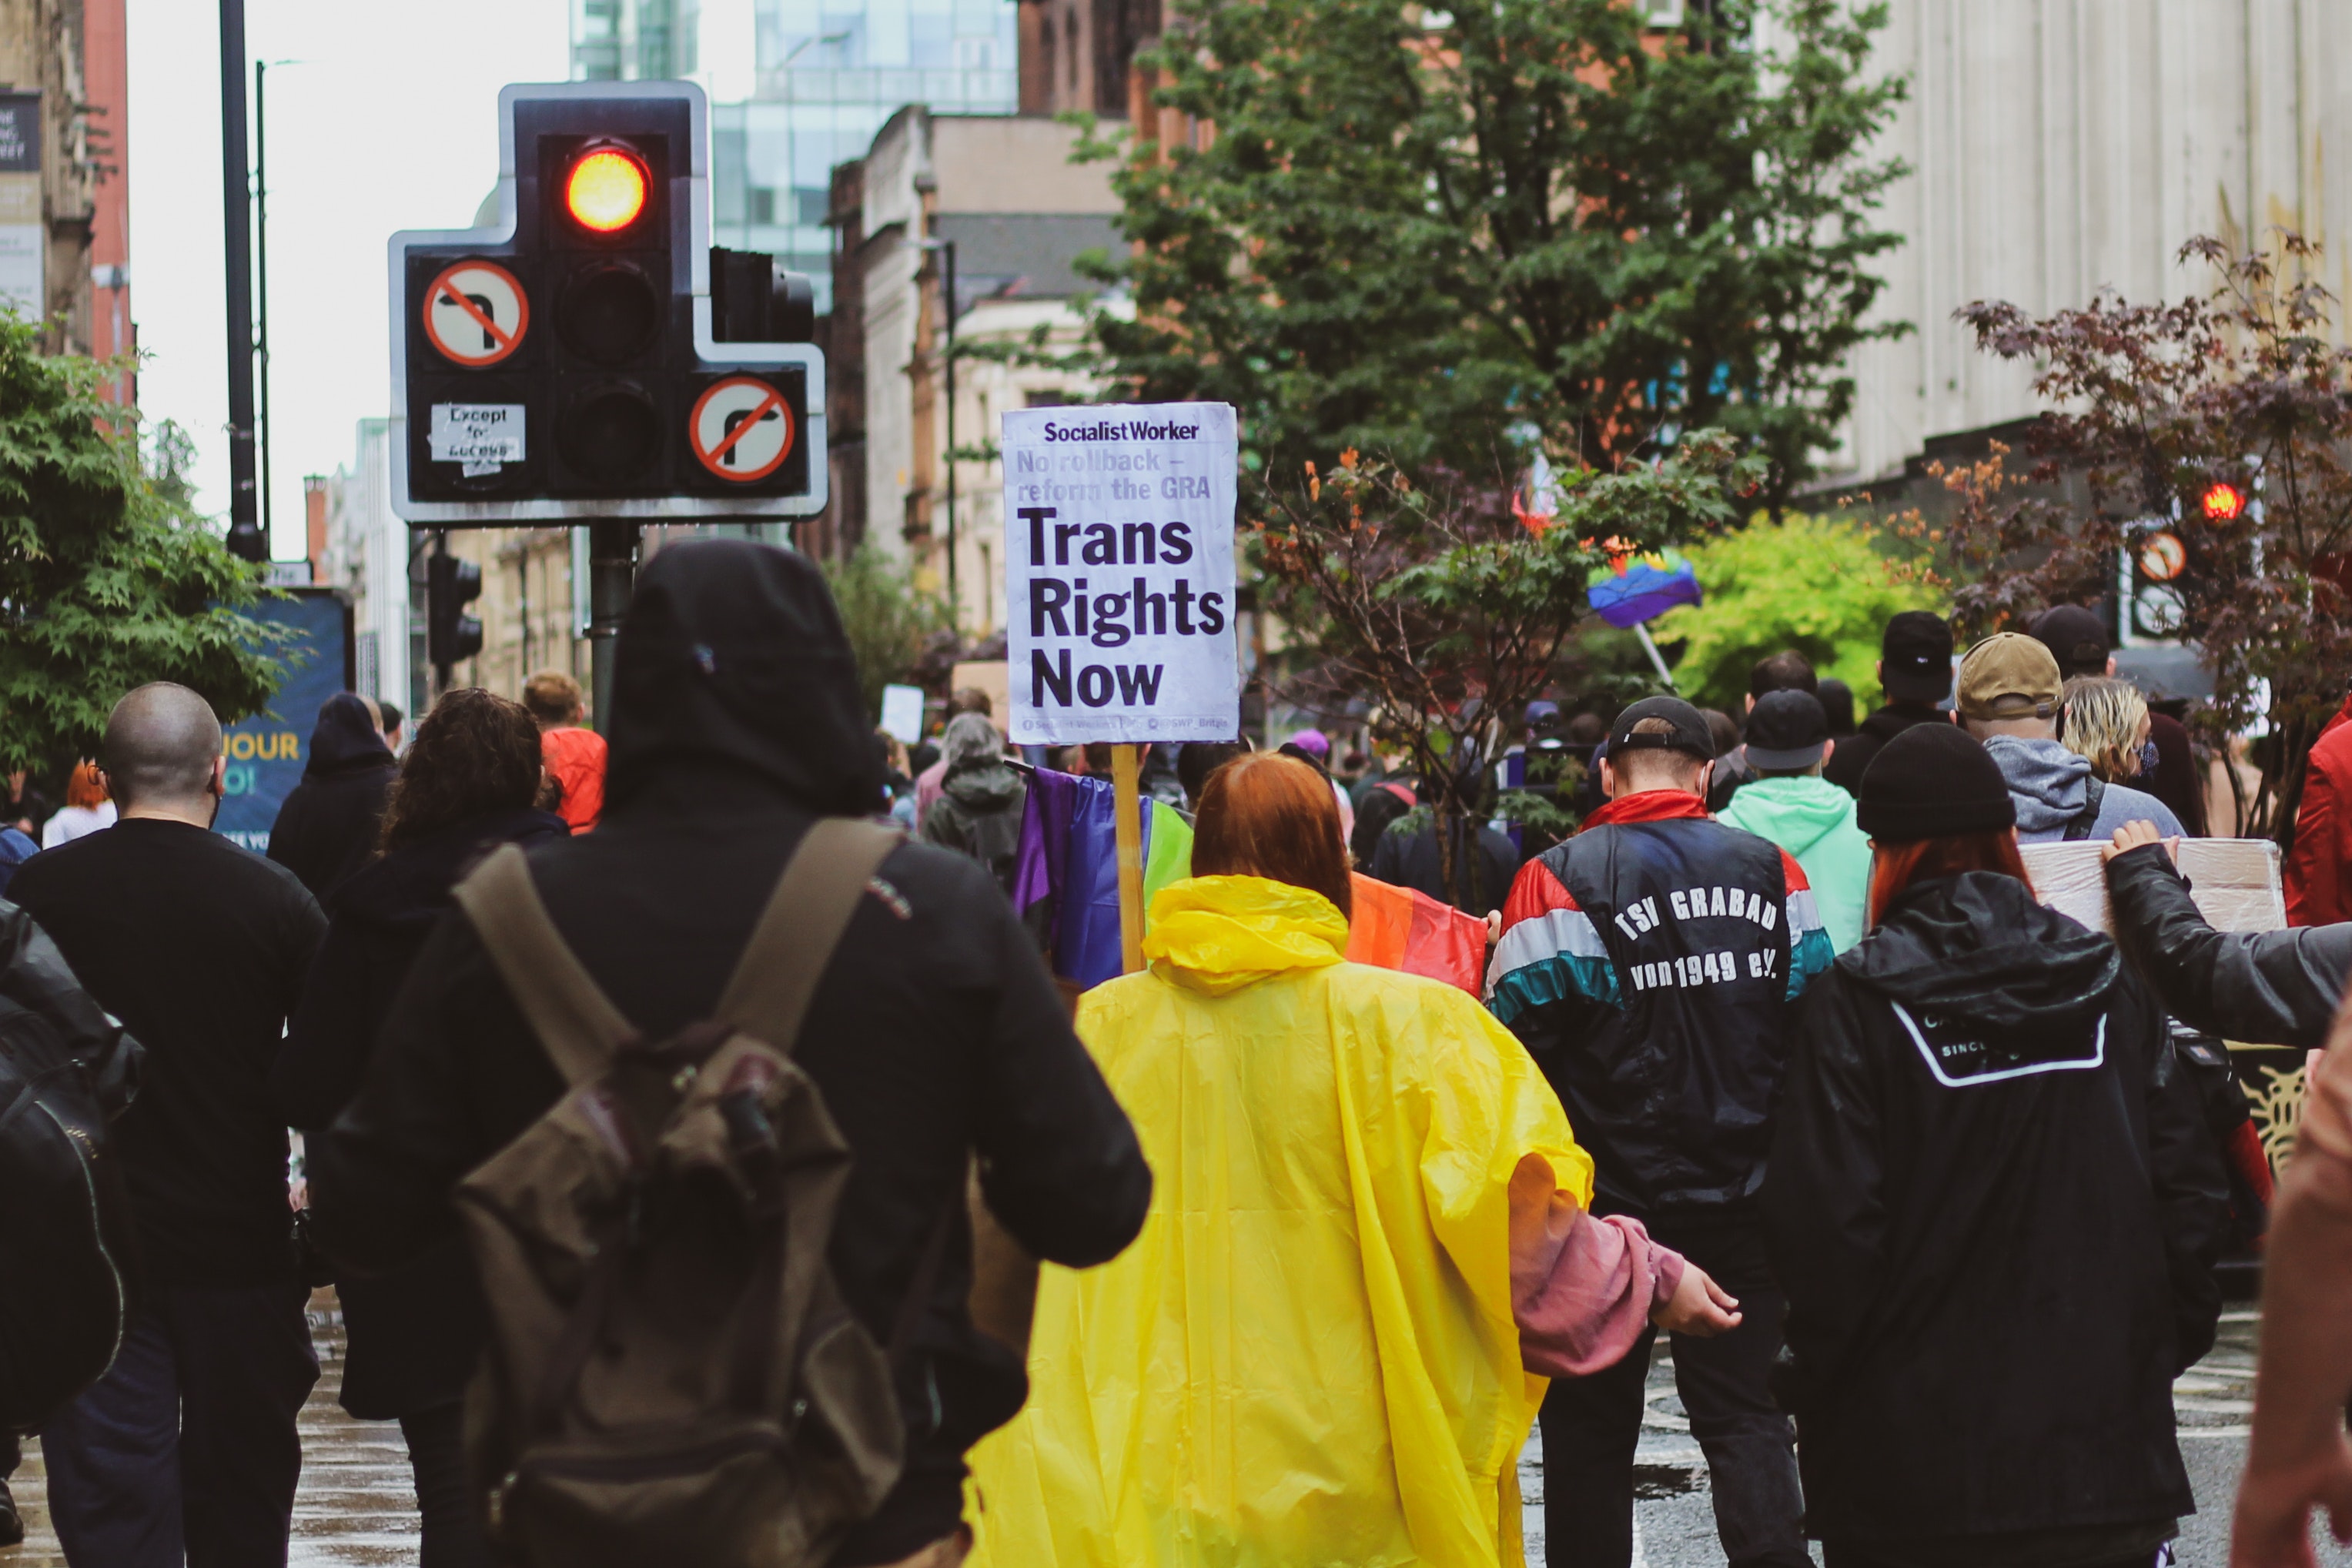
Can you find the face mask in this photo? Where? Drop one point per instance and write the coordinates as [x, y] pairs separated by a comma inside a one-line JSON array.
[[2147, 758]]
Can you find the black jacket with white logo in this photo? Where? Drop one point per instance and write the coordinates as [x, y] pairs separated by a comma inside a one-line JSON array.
[[1994, 1208]]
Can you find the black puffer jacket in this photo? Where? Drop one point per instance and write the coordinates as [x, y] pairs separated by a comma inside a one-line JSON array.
[[326, 828], [416, 1331], [1994, 1210], [935, 1035], [2269, 988]]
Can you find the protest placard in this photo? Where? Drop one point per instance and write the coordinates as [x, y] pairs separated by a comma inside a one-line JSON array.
[[1118, 524]]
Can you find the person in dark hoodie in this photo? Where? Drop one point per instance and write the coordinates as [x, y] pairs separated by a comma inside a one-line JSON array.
[[416, 1331], [1485, 860], [1914, 669], [978, 812], [328, 827], [935, 1034], [1993, 1207]]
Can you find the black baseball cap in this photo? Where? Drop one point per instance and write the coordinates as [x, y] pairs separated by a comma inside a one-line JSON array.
[[1916, 657], [1787, 730], [1688, 735], [2076, 638]]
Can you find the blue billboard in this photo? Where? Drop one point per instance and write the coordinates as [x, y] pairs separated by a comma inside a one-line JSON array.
[[267, 752]]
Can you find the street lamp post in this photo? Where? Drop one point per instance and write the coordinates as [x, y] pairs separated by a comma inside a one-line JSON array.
[[244, 536]]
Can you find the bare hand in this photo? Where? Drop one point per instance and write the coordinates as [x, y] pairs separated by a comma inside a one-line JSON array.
[[2139, 835], [2273, 1527], [1699, 1307]]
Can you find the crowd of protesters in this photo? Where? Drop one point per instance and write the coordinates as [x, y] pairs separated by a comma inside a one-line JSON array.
[[1777, 1052]]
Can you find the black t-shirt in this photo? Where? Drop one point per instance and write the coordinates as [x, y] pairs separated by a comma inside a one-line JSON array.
[[200, 948]]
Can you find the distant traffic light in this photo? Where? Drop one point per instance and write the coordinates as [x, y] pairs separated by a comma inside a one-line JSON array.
[[594, 357], [2222, 502], [450, 584]]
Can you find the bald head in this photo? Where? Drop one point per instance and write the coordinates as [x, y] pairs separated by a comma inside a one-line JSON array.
[[162, 746]]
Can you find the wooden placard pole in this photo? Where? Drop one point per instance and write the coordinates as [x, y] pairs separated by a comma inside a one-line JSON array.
[[1126, 780]]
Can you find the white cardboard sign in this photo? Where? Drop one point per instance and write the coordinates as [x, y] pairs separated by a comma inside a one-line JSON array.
[[1119, 555]]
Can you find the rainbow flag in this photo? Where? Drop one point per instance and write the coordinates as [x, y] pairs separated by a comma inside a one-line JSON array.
[[1635, 589]]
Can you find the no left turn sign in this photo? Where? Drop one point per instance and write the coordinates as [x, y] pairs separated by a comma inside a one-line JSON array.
[[476, 313], [741, 429]]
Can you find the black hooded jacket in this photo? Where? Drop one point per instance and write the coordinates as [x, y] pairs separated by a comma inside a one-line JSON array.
[[935, 1035], [1994, 1209], [326, 828], [415, 1332]]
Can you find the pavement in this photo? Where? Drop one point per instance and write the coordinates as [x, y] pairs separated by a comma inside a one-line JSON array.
[[356, 1509]]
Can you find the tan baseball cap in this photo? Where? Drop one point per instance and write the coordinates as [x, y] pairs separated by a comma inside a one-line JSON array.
[[2009, 675]]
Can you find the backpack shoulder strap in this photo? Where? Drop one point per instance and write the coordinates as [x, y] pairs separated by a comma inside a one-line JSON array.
[[2094, 794], [802, 924], [577, 1024]]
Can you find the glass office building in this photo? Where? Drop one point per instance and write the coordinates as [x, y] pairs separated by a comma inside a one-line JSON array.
[[825, 75]]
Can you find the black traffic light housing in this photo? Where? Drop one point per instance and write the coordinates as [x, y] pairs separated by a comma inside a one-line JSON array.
[[592, 356], [450, 584]]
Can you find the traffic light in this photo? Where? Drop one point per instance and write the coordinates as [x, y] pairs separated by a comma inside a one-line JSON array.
[[592, 356], [450, 584]]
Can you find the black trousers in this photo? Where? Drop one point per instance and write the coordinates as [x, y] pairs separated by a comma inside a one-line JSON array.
[[450, 1515], [187, 1447], [1592, 1425]]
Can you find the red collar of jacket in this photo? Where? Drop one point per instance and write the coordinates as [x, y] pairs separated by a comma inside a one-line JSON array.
[[1648, 806]]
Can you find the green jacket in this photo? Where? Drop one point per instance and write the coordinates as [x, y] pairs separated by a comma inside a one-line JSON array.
[[1812, 818]]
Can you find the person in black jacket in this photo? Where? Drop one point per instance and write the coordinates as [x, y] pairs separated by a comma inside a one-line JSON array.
[[414, 1333], [935, 1035], [1914, 668], [1993, 1206], [2264, 987], [1485, 860], [328, 827]]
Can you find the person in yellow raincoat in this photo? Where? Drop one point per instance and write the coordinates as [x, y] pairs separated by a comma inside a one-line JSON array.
[[1363, 1186]]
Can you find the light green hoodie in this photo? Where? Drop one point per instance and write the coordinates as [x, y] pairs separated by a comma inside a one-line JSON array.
[[1812, 818]]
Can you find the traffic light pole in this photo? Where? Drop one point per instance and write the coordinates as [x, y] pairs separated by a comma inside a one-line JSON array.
[[244, 536], [612, 576]]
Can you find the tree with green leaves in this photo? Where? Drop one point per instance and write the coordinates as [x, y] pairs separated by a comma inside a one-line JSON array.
[[1445, 609], [1819, 585], [892, 624], [106, 582], [1447, 238]]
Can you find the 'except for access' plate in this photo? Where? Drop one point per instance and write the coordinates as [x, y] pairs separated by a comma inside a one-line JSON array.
[[476, 313], [741, 429]]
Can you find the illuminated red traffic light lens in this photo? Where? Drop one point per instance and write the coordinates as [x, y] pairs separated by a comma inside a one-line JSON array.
[[606, 191], [2223, 503]]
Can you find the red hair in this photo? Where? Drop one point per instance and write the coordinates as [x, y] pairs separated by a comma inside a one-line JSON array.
[[1895, 867], [1268, 815], [87, 788]]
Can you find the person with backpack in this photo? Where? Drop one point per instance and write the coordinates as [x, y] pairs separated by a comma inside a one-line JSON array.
[[980, 799], [1993, 1205], [187, 1446], [412, 1334], [2010, 699], [64, 1229], [736, 1052]]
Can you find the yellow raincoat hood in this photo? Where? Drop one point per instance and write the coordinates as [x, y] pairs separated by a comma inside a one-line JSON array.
[[1307, 1359], [1218, 934]]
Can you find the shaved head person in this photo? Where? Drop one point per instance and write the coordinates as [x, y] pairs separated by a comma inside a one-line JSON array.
[[185, 1450]]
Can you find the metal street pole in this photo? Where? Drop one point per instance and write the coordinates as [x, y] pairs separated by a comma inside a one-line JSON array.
[[244, 535], [955, 605], [612, 576], [261, 270]]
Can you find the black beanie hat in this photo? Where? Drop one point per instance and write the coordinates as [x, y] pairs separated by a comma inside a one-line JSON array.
[[1933, 781]]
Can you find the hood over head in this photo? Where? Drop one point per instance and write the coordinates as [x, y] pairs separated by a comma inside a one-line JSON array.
[[1219, 934], [345, 740], [733, 654], [971, 741], [1979, 947], [2045, 780], [1794, 813], [987, 787]]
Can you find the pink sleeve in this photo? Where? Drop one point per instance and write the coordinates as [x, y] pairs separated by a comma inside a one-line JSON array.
[[1583, 1290]]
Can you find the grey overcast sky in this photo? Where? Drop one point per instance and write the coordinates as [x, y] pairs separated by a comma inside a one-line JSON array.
[[389, 122]]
